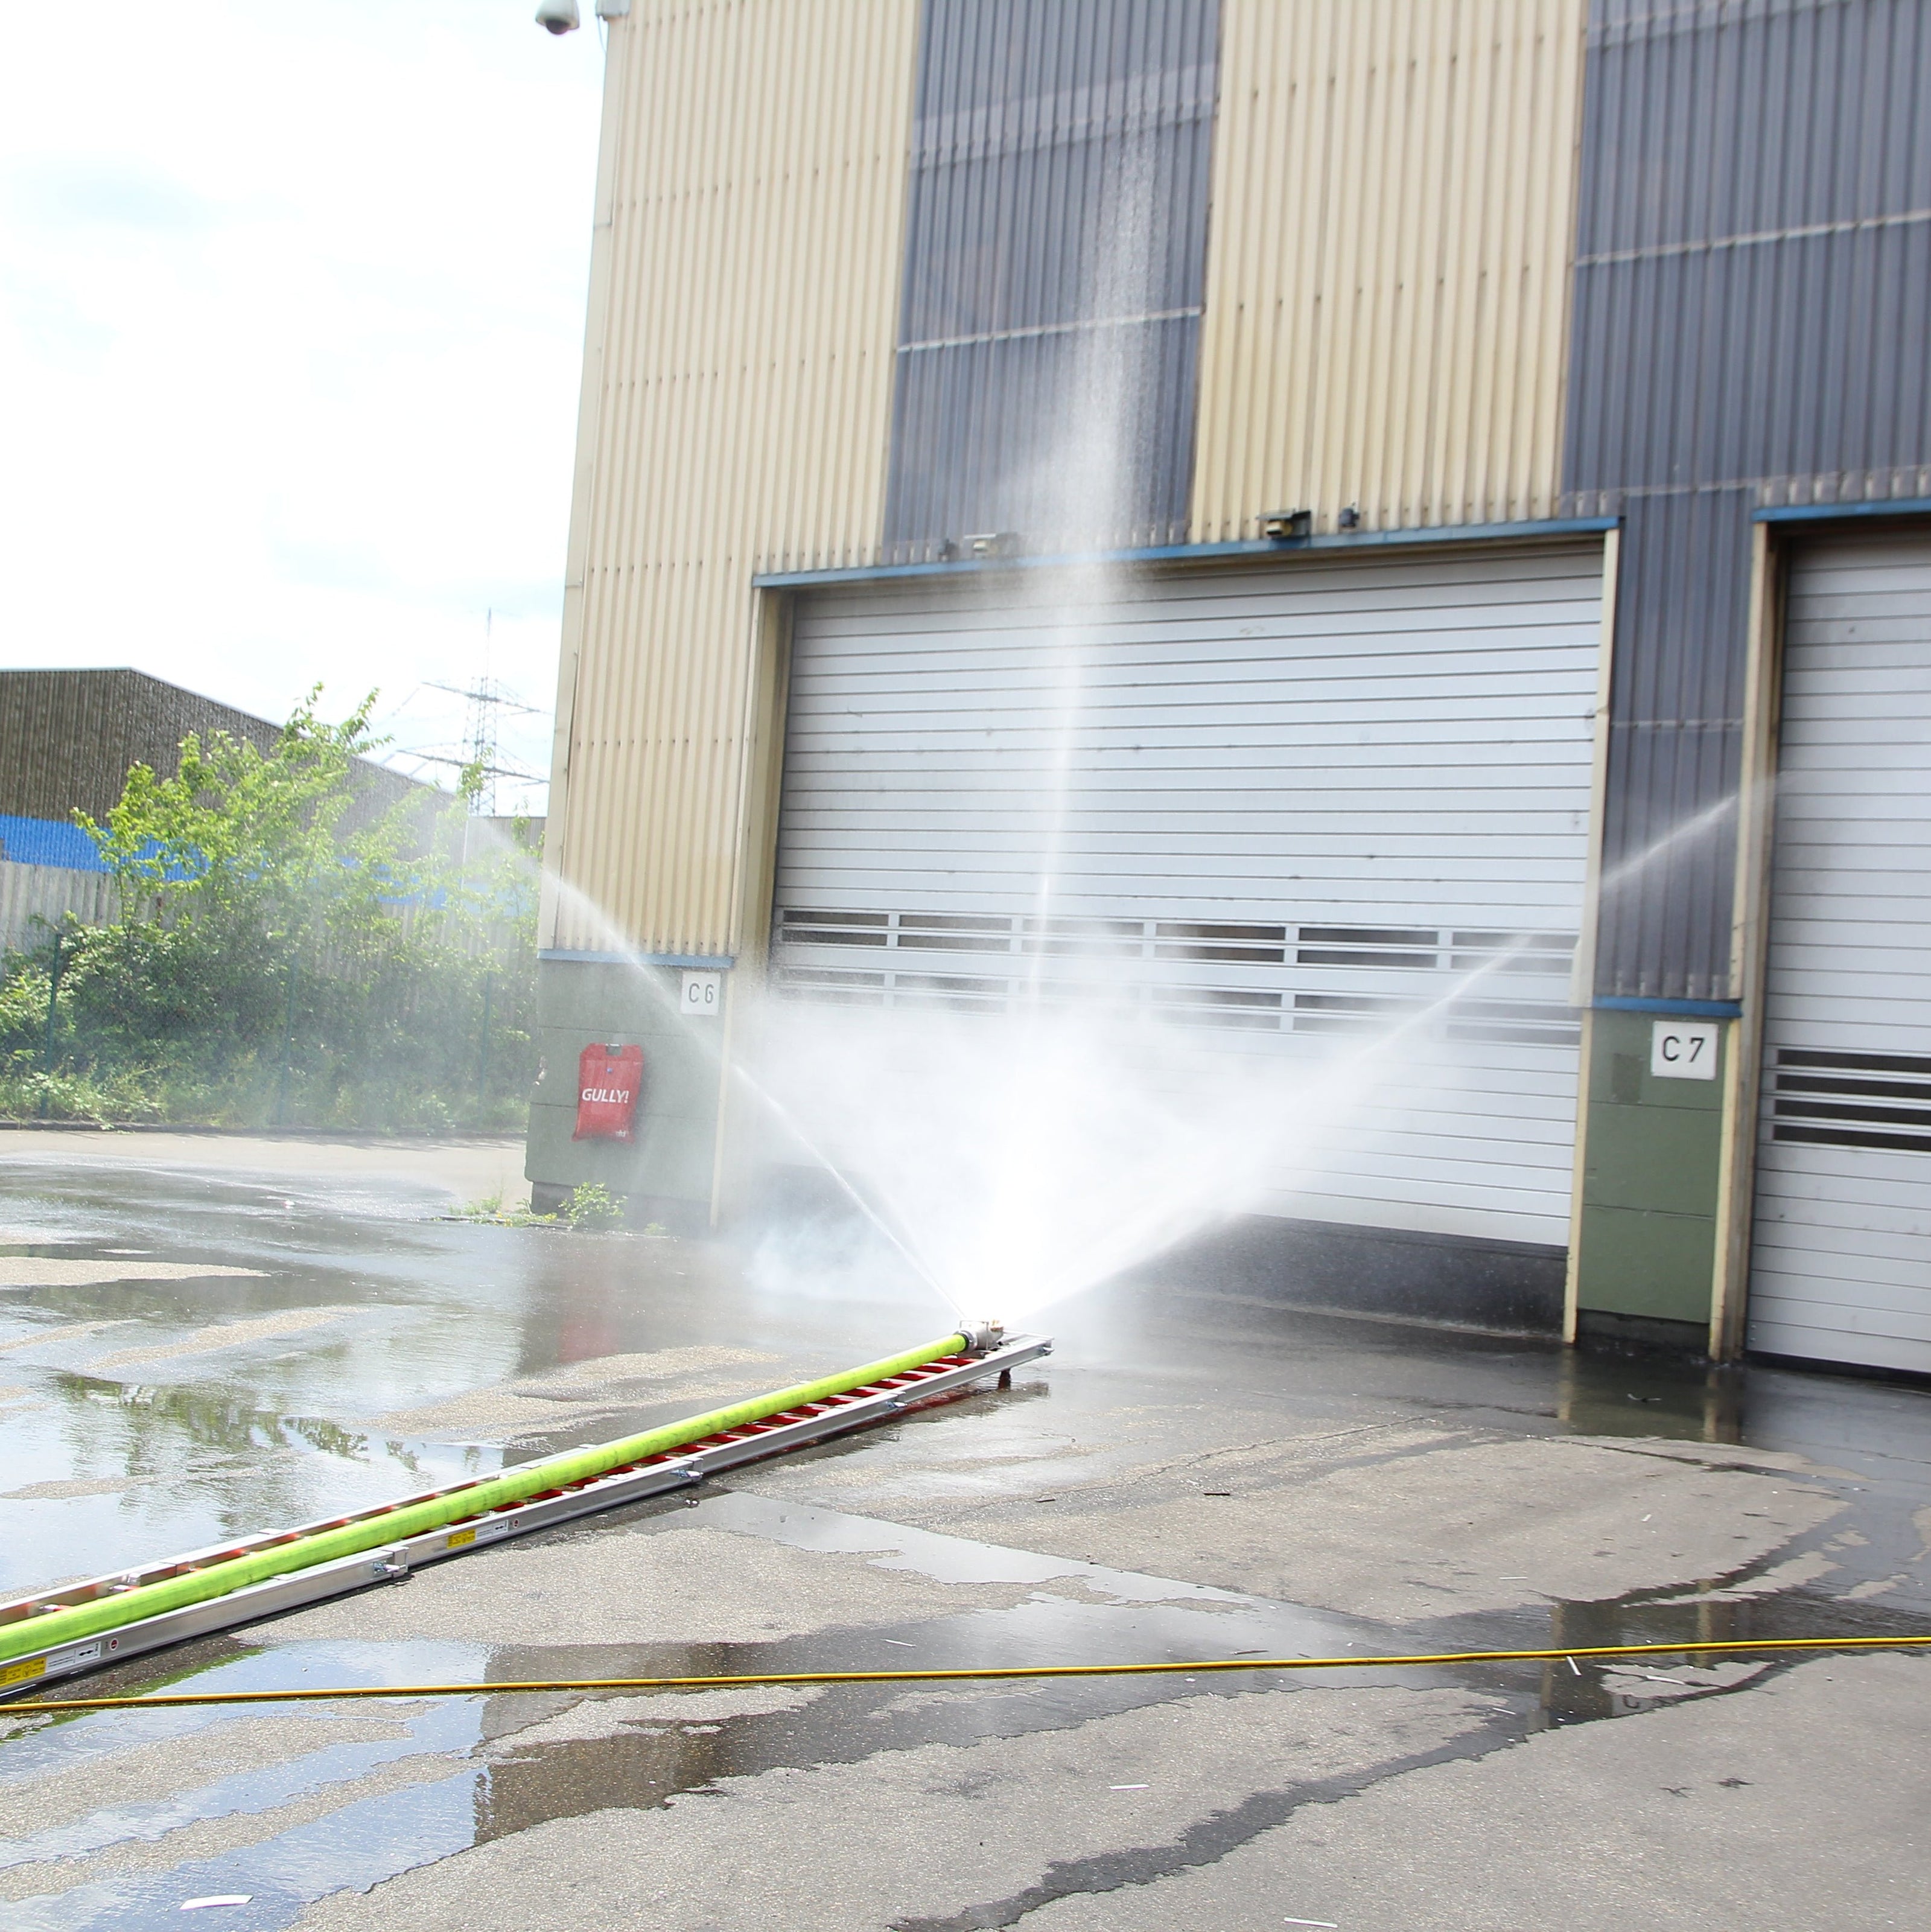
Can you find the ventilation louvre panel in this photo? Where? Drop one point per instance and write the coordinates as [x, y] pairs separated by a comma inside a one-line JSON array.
[[1876, 1100]]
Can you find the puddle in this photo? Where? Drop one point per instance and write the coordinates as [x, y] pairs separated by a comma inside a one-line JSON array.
[[1633, 1395], [659, 1746], [500, 1764], [356, 1842], [353, 1848], [145, 1417], [217, 1446], [945, 1559]]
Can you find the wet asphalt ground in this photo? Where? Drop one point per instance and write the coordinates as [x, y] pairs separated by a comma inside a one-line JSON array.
[[197, 1342]]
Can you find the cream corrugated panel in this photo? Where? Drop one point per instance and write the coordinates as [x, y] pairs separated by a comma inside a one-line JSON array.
[[1388, 265], [744, 306]]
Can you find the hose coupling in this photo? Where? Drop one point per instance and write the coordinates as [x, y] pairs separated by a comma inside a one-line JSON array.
[[982, 1338]]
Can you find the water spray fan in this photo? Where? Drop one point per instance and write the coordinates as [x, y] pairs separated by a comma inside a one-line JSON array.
[[85, 1626]]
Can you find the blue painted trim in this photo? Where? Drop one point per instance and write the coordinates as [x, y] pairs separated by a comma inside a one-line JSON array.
[[1831, 513], [710, 962], [1546, 526], [58, 842], [1686, 1009]]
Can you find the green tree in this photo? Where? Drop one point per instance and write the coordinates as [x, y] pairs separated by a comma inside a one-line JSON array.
[[285, 951]]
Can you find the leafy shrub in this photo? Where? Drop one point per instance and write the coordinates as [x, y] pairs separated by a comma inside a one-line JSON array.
[[591, 1206], [275, 963]]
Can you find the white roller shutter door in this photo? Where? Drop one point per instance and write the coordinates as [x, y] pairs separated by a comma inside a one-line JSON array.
[[1841, 1267], [1302, 802]]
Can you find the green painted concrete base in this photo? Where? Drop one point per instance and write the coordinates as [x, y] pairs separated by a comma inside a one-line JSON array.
[[1651, 1165], [670, 1163]]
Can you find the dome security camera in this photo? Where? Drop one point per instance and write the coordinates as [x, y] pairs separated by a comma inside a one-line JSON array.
[[559, 16]]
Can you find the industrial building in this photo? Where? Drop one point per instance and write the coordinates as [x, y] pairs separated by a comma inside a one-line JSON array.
[[67, 738], [1518, 553]]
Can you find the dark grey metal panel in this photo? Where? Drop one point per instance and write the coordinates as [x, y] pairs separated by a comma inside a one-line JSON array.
[[1055, 264], [1752, 302], [67, 737]]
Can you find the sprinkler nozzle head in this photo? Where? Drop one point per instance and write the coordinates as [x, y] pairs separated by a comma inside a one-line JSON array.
[[983, 1337]]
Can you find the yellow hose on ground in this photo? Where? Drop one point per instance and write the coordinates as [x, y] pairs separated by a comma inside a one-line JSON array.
[[370, 1530], [990, 1673]]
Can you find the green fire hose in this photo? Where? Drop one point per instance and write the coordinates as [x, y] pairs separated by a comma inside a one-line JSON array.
[[515, 1485]]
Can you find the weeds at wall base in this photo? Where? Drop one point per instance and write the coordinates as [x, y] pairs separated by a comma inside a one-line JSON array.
[[592, 1209]]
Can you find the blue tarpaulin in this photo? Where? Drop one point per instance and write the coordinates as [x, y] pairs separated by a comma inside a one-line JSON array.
[[47, 842]]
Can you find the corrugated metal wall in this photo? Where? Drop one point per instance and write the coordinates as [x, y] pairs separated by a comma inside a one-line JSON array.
[[1055, 247], [67, 738], [1388, 275], [34, 899], [1751, 312], [745, 301]]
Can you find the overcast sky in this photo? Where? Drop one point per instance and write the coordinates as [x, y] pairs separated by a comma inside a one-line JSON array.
[[291, 322]]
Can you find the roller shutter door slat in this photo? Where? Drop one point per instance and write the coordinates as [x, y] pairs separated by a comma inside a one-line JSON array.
[[1803, 984], [1855, 1335], [1852, 1186], [1864, 885], [1202, 827], [1341, 872], [1841, 1264], [1894, 948], [1379, 789], [1224, 849], [1398, 747], [1492, 687], [1886, 1282], [900, 728], [1438, 596], [1534, 643], [1473, 1217]]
